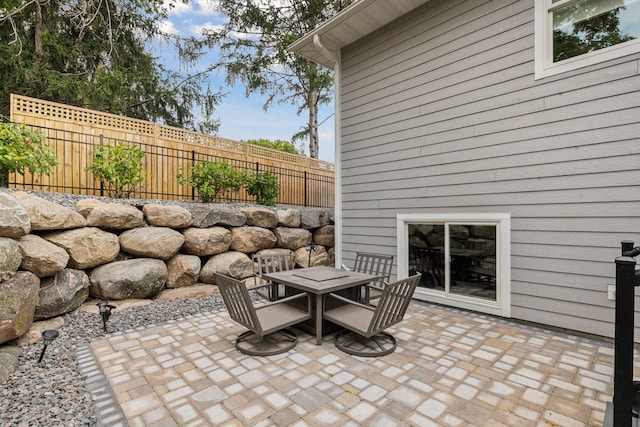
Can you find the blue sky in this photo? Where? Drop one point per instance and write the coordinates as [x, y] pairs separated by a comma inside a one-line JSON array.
[[243, 118]]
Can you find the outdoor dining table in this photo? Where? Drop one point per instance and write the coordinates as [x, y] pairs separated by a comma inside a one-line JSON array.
[[319, 281]]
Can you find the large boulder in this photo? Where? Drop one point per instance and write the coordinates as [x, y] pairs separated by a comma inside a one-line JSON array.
[[206, 241], [325, 235], [183, 270], [151, 242], [18, 299], [208, 215], [35, 331], [134, 278], [310, 258], [289, 217], [62, 293], [41, 257], [234, 264], [110, 215], [260, 217], [45, 215], [251, 239], [87, 247], [292, 238], [14, 219], [483, 231], [195, 291], [167, 215], [313, 218], [10, 257]]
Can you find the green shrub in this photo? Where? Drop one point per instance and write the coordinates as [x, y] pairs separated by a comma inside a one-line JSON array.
[[120, 168], [264, 186], [278, 144], [213, 179], [22, 148]]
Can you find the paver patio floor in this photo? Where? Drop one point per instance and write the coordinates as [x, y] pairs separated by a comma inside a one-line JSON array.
[[451, 368]]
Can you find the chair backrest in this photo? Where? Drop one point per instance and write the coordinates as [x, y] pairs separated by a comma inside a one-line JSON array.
[[272, 263], [393, 303], [376, 264], [238, 301]]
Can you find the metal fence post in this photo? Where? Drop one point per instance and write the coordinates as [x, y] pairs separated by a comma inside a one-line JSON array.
[[623, 360], [101, 182], [193, 163], [305, 189]]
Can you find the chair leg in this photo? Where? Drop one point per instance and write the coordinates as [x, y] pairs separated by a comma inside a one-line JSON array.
[[268, 345], [380, 344]]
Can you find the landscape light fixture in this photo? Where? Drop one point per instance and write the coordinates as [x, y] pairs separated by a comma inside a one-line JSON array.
[[312, 248], [105, 312], [47, 337]]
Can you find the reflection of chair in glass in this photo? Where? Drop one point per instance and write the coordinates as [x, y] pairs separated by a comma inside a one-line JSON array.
[[267, 334], [365, 324], [377, 265], [430, 262], [271, 263], [483, 269]]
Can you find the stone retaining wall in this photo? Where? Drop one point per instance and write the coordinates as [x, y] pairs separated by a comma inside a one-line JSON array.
[[53, 258]]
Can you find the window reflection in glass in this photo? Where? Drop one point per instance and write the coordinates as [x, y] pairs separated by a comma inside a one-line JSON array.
[[589, 25]]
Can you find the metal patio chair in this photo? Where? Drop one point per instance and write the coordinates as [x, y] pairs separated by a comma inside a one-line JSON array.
[[271, 263], [376, 264], [364, 335], [268, 324]]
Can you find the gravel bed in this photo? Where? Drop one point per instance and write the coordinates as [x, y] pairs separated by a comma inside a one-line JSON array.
[[53, 393]]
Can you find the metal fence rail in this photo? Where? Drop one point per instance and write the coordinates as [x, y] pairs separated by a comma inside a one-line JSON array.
[[76, 150]]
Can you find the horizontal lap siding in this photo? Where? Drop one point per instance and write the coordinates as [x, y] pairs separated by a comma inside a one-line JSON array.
[[441, 113]]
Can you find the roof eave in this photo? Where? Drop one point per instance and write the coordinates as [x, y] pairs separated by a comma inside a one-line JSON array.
[[356, 21]]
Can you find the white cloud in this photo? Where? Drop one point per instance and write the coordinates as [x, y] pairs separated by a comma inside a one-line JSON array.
[[178, 8], [168, 27], [207, 7], [199, 29]]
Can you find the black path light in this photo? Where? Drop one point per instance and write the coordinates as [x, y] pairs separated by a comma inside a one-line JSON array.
[[312, 248], [105, 312], [47, 337]]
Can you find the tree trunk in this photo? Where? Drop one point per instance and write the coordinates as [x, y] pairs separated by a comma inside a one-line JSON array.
[[313, 123], [37, 35], [4, 177]]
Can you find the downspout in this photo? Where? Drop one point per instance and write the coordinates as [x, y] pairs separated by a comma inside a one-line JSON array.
[[334, 57]]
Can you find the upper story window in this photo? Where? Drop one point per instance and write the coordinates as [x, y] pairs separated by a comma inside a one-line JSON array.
[[575, 33]]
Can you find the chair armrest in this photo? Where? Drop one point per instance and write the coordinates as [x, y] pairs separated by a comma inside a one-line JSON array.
[[266, 285], [352, 302], [344, 267]]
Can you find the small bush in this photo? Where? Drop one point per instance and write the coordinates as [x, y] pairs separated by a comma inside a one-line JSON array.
[[120, 168], [212, 180], [22, 148], [278, 144], [264, 186]]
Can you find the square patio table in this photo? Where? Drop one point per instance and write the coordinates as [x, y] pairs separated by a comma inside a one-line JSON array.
[[319, 281]]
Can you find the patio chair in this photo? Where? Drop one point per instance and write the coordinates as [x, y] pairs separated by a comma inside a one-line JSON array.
[[270, 263], [376, 264], [365, 324], [268, 333]]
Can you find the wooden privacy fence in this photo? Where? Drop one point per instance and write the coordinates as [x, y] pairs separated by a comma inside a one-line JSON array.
[[73, 134]]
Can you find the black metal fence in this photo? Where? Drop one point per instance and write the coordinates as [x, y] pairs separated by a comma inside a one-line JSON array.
[[75, 152]]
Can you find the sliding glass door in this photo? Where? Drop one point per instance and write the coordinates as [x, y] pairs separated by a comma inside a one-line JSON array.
[[462, 259]]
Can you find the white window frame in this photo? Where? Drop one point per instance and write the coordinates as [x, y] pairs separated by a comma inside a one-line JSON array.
[[544, 65], [502, 305]]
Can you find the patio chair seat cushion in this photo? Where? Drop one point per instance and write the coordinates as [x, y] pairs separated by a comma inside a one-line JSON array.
[[354, 317], [275, 317]]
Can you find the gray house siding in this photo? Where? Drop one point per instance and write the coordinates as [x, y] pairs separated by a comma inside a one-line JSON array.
[[441, 113]]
